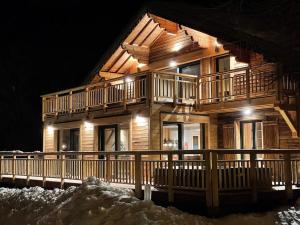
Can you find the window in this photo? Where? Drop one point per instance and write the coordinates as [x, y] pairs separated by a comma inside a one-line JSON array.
[[191, 68], [68, 139]]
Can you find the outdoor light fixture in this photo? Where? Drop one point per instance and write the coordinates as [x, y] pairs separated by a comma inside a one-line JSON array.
[[172, 63], [63, 146], [247, 112], [140, 65], [177, 47], [140, 119], [128, 79], [217, 44], [50, 128], [88, 125], [172, 34]]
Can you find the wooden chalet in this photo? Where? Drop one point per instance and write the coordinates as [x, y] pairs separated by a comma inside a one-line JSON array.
[[168, 86]]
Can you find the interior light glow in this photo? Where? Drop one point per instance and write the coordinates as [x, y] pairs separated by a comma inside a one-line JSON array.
[[217, 44], [128, 79], [172, 63], [247, 112], [63, 146]]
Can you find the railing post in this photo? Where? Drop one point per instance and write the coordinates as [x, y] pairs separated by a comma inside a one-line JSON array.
[[175, 91], [214, 180], [170, 178], [105, 98], [108, 168], [27, 170], [248, 84], [125, 93], [71, 101], [44, 172], [82, 164], [253, 179], [138, 175], [197, 93], [1, 163], [86, 99], [56, 104], [149, 88], [14, 167], [62, 172], [288, 176], [208, 179], [221, 86]]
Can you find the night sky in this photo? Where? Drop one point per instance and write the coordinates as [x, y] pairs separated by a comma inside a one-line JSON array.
[[49, 45]]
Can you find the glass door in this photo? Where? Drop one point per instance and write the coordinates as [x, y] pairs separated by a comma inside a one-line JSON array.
[[108, 138]]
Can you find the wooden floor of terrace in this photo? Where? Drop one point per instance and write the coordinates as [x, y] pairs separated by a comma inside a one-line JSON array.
[[201, 177]]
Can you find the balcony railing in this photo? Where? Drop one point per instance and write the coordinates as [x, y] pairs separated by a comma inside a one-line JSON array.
[[176, 88], [198, 170]]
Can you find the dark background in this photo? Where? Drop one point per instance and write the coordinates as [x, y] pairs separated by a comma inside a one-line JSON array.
[[47, 46]]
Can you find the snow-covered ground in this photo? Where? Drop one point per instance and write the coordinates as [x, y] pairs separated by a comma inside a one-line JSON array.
[[95, 202]]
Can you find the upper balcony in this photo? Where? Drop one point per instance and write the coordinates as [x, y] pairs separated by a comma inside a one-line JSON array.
[[259, 85]]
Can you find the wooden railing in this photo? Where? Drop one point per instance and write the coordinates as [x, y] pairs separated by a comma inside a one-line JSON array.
[[232, 85], [203, 170]]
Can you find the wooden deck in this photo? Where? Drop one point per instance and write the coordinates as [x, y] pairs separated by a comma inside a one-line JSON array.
[[205, 93], [202, 171]]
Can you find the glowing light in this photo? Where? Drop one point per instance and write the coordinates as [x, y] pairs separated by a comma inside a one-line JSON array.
[[50, 128], [247, 112], [177, 47], [63, 146], [172, 34], [217, 44], [128, 79], [140, 65], [140, 119], [172, 63], [88, 125]]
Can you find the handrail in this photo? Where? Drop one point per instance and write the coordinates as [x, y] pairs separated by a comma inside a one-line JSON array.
[[159, 152]]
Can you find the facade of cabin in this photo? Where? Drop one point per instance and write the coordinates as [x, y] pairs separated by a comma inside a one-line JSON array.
[[167, 86]]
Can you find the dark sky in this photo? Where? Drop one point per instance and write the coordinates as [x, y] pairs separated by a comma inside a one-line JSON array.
[[48, 46]]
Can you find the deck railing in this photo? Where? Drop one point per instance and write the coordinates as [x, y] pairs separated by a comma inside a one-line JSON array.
[[203, 170], [164, 87]]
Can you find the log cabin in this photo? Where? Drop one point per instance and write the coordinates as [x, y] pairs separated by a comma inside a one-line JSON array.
[[170, 85]]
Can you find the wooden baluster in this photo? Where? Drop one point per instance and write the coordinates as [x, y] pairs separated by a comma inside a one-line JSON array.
[[1, 165], [214, 180], [62, 170], [56, 105], [253, 178], [125, 94], [138, 175], [175, 91], [288, 176], [44, 171], [86, 95], [208, 179], [108, 168], [27, 170], [13, 164], [170, 178], [248, 84], [71, 101]]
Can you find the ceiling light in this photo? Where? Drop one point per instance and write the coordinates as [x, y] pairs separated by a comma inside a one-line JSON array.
[[177, 47], [172, 63], [247, 112], [140, 65]]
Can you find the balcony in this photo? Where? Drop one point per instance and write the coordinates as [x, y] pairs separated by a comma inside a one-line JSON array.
[[243, 84]]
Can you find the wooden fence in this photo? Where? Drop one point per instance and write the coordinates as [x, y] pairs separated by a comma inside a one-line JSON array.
[[203, 170]]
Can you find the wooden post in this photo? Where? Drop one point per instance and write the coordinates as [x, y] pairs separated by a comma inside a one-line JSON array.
[[27, 170], [125, 93], [14, 167], [70, 101], [44, 170], [208, 179], [248, 84], [175, 91], [82, 166], [253, 178], [108, 168], [170, 178], [197, 93], [214, 180], [62, 168], [105, 97], [288, 176], [86, 99], [138, 175], [149, 88], [56, 104], [1, 163]]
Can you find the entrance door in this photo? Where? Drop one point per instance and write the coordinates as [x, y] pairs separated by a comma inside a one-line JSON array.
[[251, 136], [108, 138]]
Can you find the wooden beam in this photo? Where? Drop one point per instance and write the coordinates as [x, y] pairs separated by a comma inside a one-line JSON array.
[[288, 121], [109, 75]]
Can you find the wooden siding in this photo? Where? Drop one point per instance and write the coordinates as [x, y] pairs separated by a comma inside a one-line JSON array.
[[140, 132]]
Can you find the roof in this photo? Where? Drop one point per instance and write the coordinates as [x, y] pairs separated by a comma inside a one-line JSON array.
[[245, 30]]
